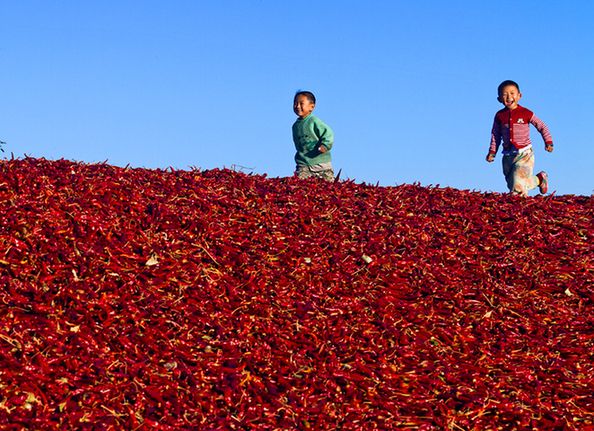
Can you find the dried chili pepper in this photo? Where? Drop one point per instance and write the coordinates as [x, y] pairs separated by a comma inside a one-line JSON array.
[[166, 299]]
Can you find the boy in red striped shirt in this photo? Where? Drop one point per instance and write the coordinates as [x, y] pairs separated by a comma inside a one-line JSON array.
[[512, 126]]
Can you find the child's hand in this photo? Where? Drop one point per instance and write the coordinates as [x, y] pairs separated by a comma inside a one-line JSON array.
[[322, 149], [549, 148], [490, 157]]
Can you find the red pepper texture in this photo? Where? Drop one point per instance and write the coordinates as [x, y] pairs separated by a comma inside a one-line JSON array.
[[144, 299]]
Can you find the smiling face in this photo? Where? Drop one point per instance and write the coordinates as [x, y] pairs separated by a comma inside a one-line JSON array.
[[510, 96], [303, 106]]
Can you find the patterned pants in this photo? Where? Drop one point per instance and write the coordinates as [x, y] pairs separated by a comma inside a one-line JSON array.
[[517, 169], [318, 171]]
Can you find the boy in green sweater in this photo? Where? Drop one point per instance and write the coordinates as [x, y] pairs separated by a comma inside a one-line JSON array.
[[313, 140]]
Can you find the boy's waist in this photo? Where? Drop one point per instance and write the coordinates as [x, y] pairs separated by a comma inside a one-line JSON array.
[[317, 167], [512, 150]]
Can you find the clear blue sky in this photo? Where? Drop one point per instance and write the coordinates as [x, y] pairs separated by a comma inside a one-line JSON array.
[[409, 87]]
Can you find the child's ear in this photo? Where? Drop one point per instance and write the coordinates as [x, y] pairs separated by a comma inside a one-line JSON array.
[[499, 99]]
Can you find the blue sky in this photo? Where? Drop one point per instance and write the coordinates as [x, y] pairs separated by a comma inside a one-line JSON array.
[[409, 88]]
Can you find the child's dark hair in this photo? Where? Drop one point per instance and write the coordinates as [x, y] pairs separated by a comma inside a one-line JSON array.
[[505, 84], [310, 96]]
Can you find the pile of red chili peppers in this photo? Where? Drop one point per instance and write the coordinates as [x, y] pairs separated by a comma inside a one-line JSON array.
[[180, 300]]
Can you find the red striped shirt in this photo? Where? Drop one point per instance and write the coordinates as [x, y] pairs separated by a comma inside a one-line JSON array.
[[512, 126]]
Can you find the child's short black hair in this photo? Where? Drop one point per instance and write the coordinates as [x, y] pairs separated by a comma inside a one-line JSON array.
[[505, 84], [310, 96]]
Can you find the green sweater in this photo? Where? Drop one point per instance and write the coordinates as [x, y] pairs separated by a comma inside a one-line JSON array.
[[308, 134]]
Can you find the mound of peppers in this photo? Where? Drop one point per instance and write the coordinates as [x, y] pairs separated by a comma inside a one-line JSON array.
[[144, 299]]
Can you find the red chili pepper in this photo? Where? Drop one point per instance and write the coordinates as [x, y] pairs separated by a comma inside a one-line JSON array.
[[164, 299]]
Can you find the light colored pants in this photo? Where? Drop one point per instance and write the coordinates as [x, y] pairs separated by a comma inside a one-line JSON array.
[[323, 171], [517, 169]]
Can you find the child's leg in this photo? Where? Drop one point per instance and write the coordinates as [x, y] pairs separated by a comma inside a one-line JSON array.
[[327, 174], [302, 172], [524, 178], [508, 171]]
